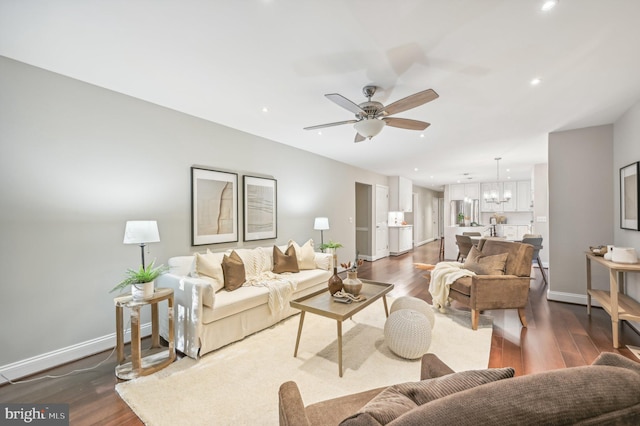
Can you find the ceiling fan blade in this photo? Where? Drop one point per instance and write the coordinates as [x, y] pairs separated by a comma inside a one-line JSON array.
[[344, 103], [359, 138], [405, 123], [337, 123], [412, 101]]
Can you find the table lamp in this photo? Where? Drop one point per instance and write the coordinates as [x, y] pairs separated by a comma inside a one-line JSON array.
[[141, 232], [321, 224]]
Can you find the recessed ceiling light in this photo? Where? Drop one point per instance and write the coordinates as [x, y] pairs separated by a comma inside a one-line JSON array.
[[422, 135], [549, 4], [320, 132], [415, 169], [265, 109], [535, 81]]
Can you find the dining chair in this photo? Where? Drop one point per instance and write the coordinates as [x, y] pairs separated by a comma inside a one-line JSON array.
[[464, 245], [536, 242]]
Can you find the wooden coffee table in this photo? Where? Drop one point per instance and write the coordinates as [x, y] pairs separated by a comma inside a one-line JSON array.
[[321, 303]]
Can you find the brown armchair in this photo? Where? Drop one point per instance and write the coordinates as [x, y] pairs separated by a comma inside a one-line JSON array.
[[508, 291]]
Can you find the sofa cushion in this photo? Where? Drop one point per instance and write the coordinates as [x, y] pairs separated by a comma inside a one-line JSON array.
[[323, 261], [305, 254], [485, 265], [285, 262], [256, 261], [578, 395], [210, 265], [233, 270], [397, 400], [229, 303]]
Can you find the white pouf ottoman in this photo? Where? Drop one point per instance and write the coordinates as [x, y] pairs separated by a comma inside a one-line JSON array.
[[408, 302], [408, 333]]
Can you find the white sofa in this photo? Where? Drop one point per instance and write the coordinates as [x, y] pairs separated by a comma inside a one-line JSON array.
[[207, 317]]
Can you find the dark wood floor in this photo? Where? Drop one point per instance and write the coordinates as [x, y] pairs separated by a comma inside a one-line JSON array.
[[559, 335]]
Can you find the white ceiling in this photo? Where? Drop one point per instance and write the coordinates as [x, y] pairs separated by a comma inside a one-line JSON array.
[[225, 61]]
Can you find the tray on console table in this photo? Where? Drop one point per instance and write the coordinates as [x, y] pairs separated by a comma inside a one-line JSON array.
[[617, 304]]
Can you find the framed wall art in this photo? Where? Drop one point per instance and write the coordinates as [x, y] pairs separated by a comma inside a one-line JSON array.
[[214, 207], [629, 194], [260, 208]]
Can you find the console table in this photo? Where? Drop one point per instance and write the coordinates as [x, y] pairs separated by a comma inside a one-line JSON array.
[[617, 304], [154, 358]]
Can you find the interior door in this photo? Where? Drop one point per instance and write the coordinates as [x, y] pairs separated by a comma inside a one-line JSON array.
[[382, 214]]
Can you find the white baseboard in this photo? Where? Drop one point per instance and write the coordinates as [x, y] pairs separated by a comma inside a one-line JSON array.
[[576, 299], [29, 366]]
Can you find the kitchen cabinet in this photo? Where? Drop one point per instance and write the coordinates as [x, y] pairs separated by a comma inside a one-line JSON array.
[[513, 232], [400, 194], [524, 199], [400, 239], [461, 191]]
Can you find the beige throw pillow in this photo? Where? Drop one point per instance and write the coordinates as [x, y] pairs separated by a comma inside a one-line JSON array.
[[285, 262], [233, 270], [306, 254], [485, 265]]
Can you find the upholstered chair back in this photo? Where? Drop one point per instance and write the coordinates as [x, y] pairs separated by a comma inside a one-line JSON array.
[[519, 259]]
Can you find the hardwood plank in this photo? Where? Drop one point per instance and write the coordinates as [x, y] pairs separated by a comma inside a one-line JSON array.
[[558, 335]]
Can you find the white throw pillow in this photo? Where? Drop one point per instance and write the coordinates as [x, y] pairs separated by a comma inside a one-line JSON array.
[[210, 265], [306, 254]]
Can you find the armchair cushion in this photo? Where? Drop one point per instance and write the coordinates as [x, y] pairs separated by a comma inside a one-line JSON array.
[[396, 400], [482, 264]]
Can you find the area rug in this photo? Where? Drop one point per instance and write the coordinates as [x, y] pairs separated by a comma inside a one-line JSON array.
[[238, 384]]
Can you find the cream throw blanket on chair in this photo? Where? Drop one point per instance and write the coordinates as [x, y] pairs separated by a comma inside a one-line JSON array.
[[442, 276]]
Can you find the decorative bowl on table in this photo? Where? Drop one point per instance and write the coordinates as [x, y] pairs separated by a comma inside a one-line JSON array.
[[598, 250]]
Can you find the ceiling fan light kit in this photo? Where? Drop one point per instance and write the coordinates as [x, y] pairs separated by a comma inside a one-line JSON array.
[[368, 128], [371, 116]]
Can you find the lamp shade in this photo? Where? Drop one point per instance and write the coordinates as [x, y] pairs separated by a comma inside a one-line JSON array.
[[368, 128], [321, 224], [141, 231]]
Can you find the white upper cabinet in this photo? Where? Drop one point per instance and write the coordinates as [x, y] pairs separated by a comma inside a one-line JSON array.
[[524, 196], [460, 191], [400, 194]]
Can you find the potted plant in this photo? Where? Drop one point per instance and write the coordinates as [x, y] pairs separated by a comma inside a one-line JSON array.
[[141, 280], [331, 245]]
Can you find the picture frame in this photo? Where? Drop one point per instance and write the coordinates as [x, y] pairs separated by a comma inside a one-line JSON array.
[[629, 195], [260, 208], [214, 206]]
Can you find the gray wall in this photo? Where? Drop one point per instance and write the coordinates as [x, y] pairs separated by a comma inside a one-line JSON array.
[[626, 136], [424, 218], [78, 161], [581, 213]]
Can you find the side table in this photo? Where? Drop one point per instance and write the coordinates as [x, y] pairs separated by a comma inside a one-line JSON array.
[[155, 358]]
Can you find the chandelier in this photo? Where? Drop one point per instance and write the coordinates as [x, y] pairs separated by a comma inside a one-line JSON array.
[[493, 196]]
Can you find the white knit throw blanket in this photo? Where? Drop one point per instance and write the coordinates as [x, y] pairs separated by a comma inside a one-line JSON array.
[[442, 276], [280, 288]]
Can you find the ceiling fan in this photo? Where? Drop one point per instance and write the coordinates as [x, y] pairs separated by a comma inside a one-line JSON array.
[[372, 116]]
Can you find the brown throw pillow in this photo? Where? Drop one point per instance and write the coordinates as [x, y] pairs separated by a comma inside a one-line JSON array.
[[285, 262], [396, 400], [485, 265], [233, 270]]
